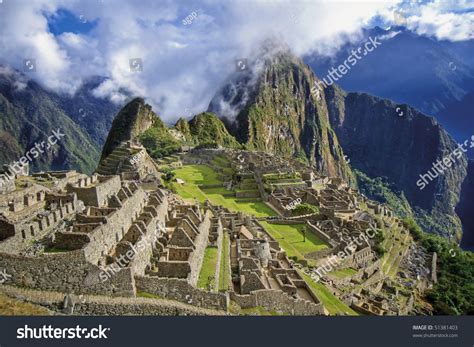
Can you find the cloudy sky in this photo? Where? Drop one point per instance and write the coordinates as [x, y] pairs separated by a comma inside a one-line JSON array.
[[177, 53]]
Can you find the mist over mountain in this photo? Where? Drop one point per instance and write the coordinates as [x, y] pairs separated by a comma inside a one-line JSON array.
[[272, 109]]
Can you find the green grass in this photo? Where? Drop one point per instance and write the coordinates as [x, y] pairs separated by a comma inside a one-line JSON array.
[[329, 300], [224, 274], [194, 175], [343, 273], [208, 268], [290, 238], [221, 190]]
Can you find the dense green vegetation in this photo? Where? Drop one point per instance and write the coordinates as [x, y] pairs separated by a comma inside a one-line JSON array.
[[206, 128], [379, 239], [168, 174], [379, 190], [303, 209], [159, 142], [454, 292]]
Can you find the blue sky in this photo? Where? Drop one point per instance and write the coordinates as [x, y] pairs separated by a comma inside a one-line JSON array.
[[63, 21]]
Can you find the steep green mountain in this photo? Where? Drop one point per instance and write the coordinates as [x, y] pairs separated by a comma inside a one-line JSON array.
[[137, 122], [465, 208], [183, 131], [398, 143], [161, 141], [206, 128], [269, 107], [133, 120], [28, 115]]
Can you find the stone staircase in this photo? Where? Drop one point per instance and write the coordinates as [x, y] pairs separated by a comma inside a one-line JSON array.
[[119, 160]]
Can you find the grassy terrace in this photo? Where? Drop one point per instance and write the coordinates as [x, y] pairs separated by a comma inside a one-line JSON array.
[[195, 175], [291, 238], [224, 271], [330, 302], [13, 307], [343, 273], [223, 163], [208, 269]]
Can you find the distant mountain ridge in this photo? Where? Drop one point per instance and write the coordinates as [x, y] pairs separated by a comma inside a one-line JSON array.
[[29, 113], [407, 68], [436, 77]]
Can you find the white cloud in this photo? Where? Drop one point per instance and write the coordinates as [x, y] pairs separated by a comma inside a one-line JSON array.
[[184, 65], [442, 19]]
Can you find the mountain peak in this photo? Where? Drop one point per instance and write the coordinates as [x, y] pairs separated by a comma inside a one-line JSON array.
[[271, 108], [132, 120]]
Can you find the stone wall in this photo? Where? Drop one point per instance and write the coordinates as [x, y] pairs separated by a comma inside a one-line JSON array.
[[142, 258], [21, 235], [219, 242], [320, 234], [200, 244], [181, 290], [118, 223], [97, 194], [174, 269], [434, 260], [276, 300], [66, 272], [107, 306]]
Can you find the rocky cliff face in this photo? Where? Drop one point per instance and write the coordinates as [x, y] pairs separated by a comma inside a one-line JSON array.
[[465, 208], [134, 119], [270, 107], [397, 142]]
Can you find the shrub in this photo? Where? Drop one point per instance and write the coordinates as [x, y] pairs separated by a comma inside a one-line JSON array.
[[303, 209]]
